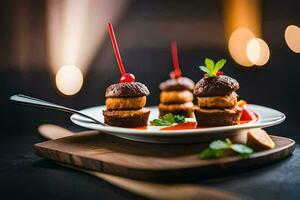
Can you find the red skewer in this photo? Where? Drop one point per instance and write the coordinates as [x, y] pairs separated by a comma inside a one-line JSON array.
[[177, 71], [126, 77], [116, 48]]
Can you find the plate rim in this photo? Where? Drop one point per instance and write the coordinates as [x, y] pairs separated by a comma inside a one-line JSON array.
[[163, 133]]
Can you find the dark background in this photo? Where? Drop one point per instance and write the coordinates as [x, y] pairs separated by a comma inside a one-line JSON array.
[[275, 85], [145, 51]]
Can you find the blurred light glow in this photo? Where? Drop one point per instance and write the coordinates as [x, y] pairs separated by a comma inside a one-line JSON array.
[[237, 46], [242, 13], [77, 28], [242, 22], [292, 38], [69, 79], [258, 51]]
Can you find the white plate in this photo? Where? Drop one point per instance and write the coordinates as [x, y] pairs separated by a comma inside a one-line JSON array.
[[267, 117]]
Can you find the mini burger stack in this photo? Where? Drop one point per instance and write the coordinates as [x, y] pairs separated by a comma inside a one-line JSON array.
[[176, 97], [217, 100], [125, 105], [125, 101]]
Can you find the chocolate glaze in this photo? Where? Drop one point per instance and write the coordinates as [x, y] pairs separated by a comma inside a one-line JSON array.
[[130, 89], [215, 86], [181, 83]]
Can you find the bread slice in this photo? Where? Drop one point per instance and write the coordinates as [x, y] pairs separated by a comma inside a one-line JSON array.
[[126, 118], [259, 139], [217, 117]]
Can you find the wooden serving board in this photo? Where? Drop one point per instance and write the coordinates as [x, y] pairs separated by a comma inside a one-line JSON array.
[[154, 162]]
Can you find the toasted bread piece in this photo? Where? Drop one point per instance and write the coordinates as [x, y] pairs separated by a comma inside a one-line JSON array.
[[217, 117], [171, 97], [126, 118], [130, 103], [185, 109], [228, 101], [259, 139]]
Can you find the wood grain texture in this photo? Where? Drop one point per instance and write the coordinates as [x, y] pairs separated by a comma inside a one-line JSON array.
[[153, 162], [149, 190]]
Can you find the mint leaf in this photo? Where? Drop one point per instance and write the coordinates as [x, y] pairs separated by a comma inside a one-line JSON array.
[[209, 64], [217, 148], [241, 149], [160, 122], [219, 65], [212, 69], [167, 120], [209, 153], [179, 119], [228, 141], [245, 156], [219, 145], [204, 69]]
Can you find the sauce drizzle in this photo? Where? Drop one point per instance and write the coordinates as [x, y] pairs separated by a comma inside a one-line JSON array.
[[182, 126]]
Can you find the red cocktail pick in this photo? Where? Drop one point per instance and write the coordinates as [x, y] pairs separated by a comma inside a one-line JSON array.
[[176, 73], [126, 77], [220, 73]]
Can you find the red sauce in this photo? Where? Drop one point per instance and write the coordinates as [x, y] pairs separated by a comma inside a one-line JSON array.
[[244, 121], [182, 126], [193, 125], [247, 116], [254, 117]]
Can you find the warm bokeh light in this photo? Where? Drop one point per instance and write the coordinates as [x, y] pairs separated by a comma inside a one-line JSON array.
[[242, 13], [76, 29], [69, 79], [242, 22], [258, 51], [237, 46], [292, 38]]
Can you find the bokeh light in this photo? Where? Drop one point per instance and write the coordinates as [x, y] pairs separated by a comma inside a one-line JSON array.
[[237, 46], [69, 79], [292, 38], [258, 51], [76, 30]]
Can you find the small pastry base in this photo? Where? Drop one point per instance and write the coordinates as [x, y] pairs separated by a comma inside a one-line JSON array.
[[217, 117], [126, 118]]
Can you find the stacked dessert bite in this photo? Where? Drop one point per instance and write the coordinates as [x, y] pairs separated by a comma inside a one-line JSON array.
[[217, 100], [125, 105], [176, 97], [125, 101]]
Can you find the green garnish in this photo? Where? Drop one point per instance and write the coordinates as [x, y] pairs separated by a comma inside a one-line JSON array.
[[168, 119], [212, 69], [179, 119], [218, 147]]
